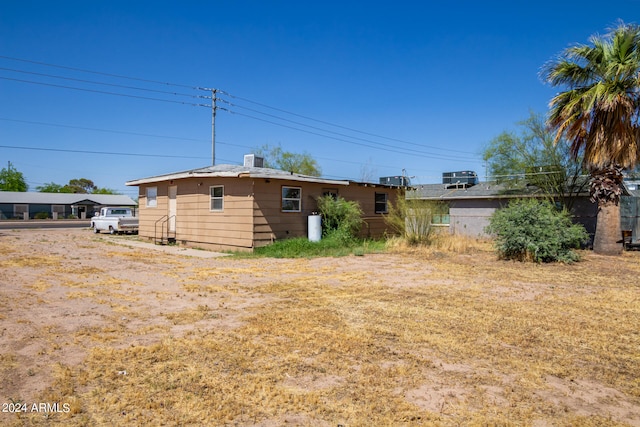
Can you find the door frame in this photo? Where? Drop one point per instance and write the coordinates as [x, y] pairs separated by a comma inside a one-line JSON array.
[[172, 207]]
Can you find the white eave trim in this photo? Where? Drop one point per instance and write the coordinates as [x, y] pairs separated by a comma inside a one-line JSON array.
[[285, 177], [282, 177]]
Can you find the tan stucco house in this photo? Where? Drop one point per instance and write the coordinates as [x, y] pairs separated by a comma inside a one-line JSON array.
[[243, 207]]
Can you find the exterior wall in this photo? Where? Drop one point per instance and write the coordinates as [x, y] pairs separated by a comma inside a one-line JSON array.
[[374, 225], [195, 223], [272, 224], [585, 213], [149, 217], [630, 215], [470, 217]]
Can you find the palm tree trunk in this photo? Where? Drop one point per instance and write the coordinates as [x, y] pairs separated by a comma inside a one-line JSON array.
[[608, 232], [606, 188]]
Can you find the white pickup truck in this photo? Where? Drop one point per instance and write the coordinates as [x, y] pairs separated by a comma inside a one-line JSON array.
[[115, 221]]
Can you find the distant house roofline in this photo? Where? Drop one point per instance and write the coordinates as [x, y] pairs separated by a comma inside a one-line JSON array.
[[24, 197], [483, 190]]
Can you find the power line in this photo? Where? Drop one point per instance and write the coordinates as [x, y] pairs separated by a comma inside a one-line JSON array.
[[106, 92], [99, 152], [232, 96], [177, 138], [120, 76], [340, 126], [31, 122], [101, 83], [334, 133], [365, 142], [432, 156]]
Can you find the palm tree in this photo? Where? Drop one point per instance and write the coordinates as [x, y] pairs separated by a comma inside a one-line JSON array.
[[599, 114]]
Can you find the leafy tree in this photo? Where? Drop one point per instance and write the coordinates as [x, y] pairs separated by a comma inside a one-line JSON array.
[[533, 156], [81, 185], [12, 180], [52, 187], [277, 158], [533, 230], [99, 190], [598, 113]]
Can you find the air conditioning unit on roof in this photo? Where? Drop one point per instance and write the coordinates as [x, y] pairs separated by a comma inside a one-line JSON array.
[[253, 161], [463, 178]]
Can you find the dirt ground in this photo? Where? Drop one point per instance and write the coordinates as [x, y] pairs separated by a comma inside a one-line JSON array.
[[61, 283], [65, 292]]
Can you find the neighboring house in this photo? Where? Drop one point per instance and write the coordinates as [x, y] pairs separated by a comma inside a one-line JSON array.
[[471, 207], [21, 205], [630, 209], [244, 207]]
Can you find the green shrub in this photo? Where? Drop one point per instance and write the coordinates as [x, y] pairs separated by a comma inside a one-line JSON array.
[[41, 215], [532, 230], [341, 219]]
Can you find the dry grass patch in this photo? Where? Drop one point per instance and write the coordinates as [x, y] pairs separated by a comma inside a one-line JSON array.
[[145, 257], [31, 261], [6, 248], [362, 354], [191, 315], [80, 270], [440, 244], [40, 285], [441, 338], [102, 334]]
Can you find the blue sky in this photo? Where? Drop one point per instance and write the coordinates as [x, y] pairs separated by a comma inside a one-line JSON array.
[[367, 88]]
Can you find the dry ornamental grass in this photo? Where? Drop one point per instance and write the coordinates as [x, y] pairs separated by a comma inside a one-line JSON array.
[[443, 336]]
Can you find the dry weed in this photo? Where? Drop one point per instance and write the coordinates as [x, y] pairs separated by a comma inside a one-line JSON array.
[[440, 244]]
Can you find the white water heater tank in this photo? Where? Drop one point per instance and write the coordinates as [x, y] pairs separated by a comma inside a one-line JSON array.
[[315, 228]]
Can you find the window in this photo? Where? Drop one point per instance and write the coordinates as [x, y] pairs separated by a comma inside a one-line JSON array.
[[333, 192], [217, 198], [440, 214], [440, 219], [20, 210], [291, 199], [381, 203], [57, 209], [152, 197], [119, 212]]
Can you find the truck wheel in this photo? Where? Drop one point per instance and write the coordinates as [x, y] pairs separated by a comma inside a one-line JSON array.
[[111, 230], [95, 230]]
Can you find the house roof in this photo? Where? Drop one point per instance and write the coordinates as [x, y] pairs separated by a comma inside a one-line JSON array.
[[491, 190], [13, 197], [484, 190], [235, 171]]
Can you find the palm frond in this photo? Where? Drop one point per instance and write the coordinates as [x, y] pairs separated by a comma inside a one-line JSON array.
[[599, 113]]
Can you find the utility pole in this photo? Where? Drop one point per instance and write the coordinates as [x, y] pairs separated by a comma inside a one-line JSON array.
[[213, 126]]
